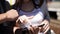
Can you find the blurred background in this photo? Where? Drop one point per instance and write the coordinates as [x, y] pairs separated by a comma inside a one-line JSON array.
[[54, 12]]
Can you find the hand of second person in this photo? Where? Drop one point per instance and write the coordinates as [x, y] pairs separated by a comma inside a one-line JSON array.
[[11, 14]]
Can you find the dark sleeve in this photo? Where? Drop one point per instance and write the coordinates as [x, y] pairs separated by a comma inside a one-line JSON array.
[[5, 5], [45, 11], [1, 8], [14, 7], [38, 2]]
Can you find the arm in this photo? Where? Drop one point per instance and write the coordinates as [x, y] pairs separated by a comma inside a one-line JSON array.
[[2, 18], [10, 15]]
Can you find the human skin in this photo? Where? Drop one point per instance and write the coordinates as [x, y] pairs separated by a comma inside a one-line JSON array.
[[10, 15]]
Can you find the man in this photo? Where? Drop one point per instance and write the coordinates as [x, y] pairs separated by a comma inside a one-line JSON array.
[[7, 16]]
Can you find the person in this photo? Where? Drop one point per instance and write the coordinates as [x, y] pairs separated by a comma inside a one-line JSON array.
[[7, 16], [27, 10]]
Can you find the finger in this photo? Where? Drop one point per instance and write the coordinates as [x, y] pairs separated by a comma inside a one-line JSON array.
[[17, 23], [15, 28], [39, 29], [36, 30], [45, 25], [21, 19], [46, 30], [26, 21], [32, 29], [30, 32], [17, 20]]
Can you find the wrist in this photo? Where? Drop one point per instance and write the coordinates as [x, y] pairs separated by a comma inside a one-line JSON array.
[[5, 16], [2, 18]]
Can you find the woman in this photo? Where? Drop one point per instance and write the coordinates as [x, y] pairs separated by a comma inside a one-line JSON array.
[[27, 10]]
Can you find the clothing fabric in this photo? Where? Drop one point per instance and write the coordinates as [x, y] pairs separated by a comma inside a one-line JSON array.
[[6, 27], [45, 10], [36, 20]]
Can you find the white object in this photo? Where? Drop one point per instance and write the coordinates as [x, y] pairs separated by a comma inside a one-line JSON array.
[[52, 32], [37, 19], [12, 2]]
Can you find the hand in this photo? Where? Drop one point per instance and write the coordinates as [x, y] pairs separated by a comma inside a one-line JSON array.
[[23, 19], [11, 15], [46, 27], [33, 30]]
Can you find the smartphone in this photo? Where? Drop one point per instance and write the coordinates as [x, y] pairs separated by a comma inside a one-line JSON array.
[[41, 25]]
